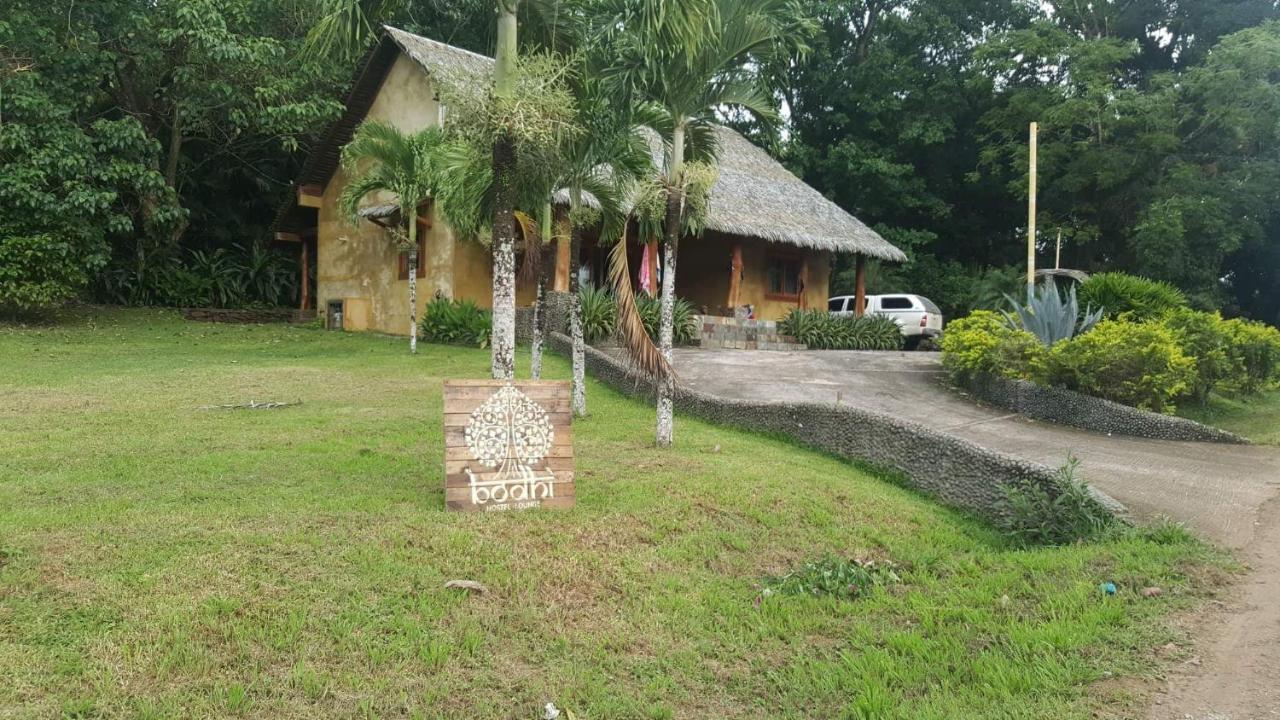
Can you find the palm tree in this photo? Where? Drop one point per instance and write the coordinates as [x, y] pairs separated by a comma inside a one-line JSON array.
[[380, 158], [503, 342], [600, 164], [687, 59]]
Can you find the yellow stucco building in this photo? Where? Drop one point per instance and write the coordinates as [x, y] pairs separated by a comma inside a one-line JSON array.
[[766, 228]]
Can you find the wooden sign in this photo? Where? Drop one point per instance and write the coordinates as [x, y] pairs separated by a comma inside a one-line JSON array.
[[507, 446]]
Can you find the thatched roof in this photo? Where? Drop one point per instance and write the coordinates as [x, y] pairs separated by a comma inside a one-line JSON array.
[[754, 196]]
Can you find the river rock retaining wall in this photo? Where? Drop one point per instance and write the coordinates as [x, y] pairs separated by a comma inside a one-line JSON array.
[[1067, 407], [951, 469]]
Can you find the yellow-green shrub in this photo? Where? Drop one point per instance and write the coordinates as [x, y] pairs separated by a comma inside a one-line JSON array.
[[983, 344], [1205, 337], [1256, 346], [1138, 364]]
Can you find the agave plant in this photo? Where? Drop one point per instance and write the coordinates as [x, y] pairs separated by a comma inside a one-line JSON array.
[[1051, 317]]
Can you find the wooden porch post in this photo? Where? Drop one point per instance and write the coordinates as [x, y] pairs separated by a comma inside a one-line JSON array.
[[735, 278], [802, 301], [860, 287], [562, 264], [306, 273]]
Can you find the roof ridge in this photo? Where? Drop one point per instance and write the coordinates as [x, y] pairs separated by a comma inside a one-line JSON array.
[[423, 38]]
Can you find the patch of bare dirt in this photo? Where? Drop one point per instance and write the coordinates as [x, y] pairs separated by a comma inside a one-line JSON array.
[[1235, 671]]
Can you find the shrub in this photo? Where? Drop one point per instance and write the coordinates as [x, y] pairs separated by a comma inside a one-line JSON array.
[[38, 273], [1256, 347], [684, 327], [821, 330], [1119, 293], [1138, 364], [1205, 338], [599, 313], [1035, 515], [456, 322], [833, 576], [984, 344]]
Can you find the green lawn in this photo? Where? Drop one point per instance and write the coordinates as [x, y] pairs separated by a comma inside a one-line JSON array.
[[157, 560], [1257, 418]]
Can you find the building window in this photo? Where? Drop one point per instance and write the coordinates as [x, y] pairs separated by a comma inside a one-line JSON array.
[[403, 274], [421, 260], [783, 279]]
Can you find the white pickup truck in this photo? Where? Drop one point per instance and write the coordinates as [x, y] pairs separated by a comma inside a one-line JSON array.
[[916, 315]]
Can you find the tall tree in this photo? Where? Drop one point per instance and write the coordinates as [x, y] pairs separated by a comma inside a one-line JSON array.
[[503, 337], [687, 60], [382, 159]]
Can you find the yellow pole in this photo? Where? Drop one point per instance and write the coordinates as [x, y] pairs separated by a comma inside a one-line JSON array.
[[1031, 219]]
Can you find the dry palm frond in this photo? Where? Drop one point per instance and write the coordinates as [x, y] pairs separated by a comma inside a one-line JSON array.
[[644, 355], [532, 248]]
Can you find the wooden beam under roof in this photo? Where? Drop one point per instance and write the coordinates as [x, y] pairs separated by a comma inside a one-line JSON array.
[[311, 196]]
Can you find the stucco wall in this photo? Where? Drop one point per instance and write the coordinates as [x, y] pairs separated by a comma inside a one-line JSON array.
[[703, 273], [361, 261], [949, 468]]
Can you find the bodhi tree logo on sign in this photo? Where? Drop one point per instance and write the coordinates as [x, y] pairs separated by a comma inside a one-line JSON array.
[[506, 442]]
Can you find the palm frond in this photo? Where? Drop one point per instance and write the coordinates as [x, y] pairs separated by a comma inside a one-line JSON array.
[[531, 236], [644, 355]]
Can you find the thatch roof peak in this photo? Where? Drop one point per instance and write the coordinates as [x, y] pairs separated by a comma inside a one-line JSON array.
[[754, 195]]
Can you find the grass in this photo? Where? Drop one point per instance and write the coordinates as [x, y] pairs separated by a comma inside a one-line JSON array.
[[1257, 418], [157, 560]]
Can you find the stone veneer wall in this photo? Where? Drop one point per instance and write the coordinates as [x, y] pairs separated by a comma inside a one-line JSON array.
[[556, 305], [1067, 407], [735, 334], [951, 469]]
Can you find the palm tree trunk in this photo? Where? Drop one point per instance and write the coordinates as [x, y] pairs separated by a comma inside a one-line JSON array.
[[503, 339], [503, 364], [413, 282], [670, 248], [579, 353], [539, 309]]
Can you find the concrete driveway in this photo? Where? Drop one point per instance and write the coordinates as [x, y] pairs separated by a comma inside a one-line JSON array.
[[1217, 489]]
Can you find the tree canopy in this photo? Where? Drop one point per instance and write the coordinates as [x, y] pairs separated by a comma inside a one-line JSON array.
[[138, 133]]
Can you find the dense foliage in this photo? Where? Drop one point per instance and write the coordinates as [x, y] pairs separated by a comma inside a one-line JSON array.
[[1035, 515], [141, 132], [1138, 364], [455, 322], [821, 330], [684, 324], [1118, 293], [599, 313], [1157, 152], [37, 273], [1150, 362]]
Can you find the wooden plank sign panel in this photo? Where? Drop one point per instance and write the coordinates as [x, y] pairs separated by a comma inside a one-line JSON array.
[[507, 445]]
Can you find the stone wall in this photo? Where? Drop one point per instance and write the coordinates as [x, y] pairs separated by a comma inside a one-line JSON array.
[[556, 305], [951, 469], [275, 315], [1066, 407], [735, 334]]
